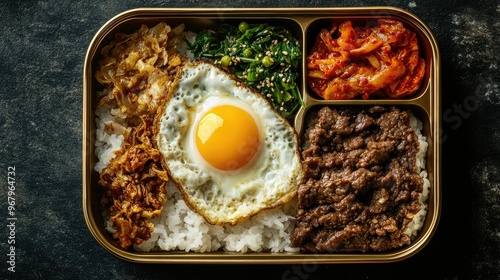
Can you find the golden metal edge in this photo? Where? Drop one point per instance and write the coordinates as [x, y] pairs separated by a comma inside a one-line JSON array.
[[264, 258]]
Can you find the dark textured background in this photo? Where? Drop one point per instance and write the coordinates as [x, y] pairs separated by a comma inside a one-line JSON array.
[[42, 49]]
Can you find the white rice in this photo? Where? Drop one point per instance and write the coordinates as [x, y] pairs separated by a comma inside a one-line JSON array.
[[417, 223], [106, 143], [179, 228]]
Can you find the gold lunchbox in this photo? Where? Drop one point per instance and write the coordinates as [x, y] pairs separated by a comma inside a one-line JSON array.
[[304, 23]]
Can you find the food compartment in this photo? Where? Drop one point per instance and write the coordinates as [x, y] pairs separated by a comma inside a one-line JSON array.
[[361, 179], [362, 63], [92, 191]]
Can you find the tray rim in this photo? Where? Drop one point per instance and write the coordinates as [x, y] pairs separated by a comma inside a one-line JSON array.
[[263, 258]]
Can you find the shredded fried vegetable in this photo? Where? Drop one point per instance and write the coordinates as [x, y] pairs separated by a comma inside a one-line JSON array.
[[265, 57], [368, 61], [136, 71], [137, 68], [134, 184]]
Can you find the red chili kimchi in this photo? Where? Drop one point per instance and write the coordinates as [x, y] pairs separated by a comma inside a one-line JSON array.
[[372, 61]]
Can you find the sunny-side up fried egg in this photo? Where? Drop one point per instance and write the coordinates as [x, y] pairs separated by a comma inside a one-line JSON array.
[[230, 154]]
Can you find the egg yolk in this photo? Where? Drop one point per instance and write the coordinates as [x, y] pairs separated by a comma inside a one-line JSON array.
[[227, 137]]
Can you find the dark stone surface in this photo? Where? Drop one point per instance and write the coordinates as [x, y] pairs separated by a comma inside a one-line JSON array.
[[42, 49]]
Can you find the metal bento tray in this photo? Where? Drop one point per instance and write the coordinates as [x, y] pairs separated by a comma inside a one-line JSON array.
[[304, 24]]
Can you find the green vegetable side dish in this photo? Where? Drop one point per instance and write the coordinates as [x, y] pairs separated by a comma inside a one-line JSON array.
[[265, 57]]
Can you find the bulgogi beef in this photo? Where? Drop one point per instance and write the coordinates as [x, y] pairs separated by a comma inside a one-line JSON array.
[[362, 184]]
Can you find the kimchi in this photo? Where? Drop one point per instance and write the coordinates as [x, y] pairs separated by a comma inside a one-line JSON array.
[[377, 60]]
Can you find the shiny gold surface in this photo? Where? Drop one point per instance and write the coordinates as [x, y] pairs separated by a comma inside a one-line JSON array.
[[302, 22]]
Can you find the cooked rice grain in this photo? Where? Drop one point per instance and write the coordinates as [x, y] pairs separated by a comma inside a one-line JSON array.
[[106, 143], [417, 223], [179, 228]]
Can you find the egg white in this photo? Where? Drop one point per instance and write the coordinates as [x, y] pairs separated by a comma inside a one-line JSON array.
[[224, 197]]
